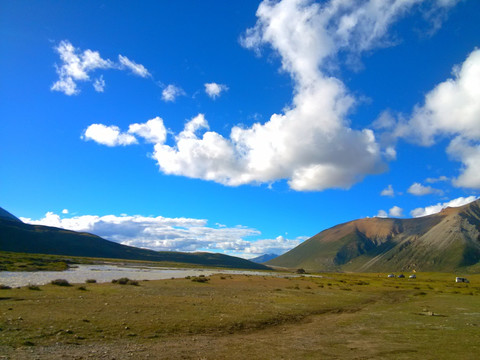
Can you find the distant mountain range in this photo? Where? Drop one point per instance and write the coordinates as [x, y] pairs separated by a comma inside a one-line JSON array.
[[263, 258], [447, 241], [17, 236]]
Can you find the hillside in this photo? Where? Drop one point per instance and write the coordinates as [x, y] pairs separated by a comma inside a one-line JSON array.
[[445, 241], [4, 214], [263, 258], [16, 236]]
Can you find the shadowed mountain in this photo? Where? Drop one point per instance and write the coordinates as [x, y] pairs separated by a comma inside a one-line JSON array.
[[263, 258], [16, 236], [4, 214], [445, 241]]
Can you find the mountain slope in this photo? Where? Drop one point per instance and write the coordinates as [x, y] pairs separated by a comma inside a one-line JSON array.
[[16, 236], [4, 214], [445, 241], [263, 258]]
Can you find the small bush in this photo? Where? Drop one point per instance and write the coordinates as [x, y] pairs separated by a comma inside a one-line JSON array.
[[90, 281], [200, 279], [4, 287], [301, 271], [33, 287], [82, 288], [125, 281], [60, 282], [361, 282]]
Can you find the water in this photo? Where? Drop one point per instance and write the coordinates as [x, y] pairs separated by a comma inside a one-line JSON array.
[[106, 273]]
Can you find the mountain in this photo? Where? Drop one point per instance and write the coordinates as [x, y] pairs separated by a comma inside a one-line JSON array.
[[445, 241], [16, 236], [4, 214], [263, 258]]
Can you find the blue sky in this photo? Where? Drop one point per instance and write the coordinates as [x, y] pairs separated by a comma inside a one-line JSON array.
[[237, 127]]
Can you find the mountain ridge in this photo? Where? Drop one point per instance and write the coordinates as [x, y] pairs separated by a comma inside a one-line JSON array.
[[444, 241], [16, 236]]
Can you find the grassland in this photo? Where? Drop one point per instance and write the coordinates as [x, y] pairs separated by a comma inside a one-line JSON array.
[[336, 316]]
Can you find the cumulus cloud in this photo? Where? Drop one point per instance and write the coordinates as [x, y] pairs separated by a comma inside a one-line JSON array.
[[452, 110], [388, 191], [420, 190], [382, 214], [171, 234], [108, 135], [311, 143], [395, 212], [171, 92], [77, 65], [214, 90], [468, 152], [65, 211], [433, 209], [152, 131]]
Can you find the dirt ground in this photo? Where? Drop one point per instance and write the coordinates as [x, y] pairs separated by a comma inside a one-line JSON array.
[[379, 324]]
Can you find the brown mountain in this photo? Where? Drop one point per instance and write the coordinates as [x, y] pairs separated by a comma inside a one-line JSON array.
[[445, 241]]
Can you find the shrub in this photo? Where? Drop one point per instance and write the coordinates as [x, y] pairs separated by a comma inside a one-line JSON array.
[[4, 287], [33, 287], [301, 271], [60, 282], [125, 281], [90, 281], [200, 279], [82, 288]]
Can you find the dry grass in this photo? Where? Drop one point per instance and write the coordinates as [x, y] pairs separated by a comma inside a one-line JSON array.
[[257, 317]]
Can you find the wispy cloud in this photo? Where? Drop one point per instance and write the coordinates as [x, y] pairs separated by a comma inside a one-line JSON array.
[[77, 65], [137, 69]]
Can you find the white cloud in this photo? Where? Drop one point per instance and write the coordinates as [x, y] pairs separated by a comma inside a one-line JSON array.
[[388, 191], [395, 212], [171, 234], [152, 131], [214, 90], [65, 211], [420, 190], [171, 92], [433, 209], [99, 84], [77, 65], [468, 152], [108, 135], [452, 109], [382, 214], [311, 143], [137, 69]]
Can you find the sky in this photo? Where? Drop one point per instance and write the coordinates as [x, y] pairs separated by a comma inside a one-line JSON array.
[[240, 127]]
